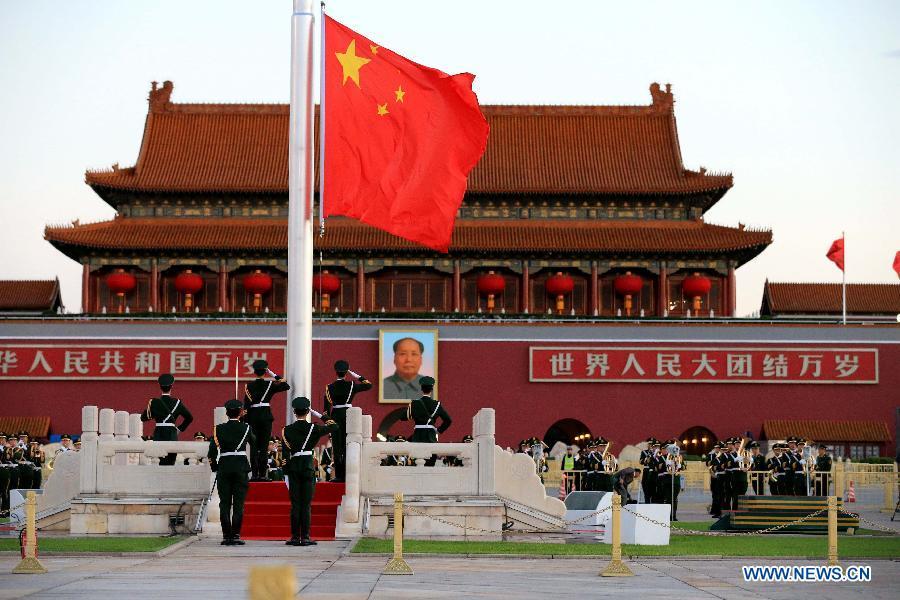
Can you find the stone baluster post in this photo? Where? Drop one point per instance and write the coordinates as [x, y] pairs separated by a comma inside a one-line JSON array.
[[120, 432], [107, 428], [350, 502], [483, 432], [366, 428], [135, 432], [88, 454]]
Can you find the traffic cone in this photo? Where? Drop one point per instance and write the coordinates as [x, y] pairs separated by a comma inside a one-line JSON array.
[[562, 488], [851, 493]]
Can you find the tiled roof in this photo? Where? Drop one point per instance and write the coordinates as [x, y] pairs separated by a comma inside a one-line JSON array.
[[825, 298], [37, 427], [531, 150], [25, 295], [468, 236], [827, 431]]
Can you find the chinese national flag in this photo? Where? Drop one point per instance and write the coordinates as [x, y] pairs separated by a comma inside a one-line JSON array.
[[400, 139], [897, 263], [836, 253]]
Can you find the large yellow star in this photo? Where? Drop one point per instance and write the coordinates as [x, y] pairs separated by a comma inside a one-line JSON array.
[[351, 63], [382, 109], [399, 93]]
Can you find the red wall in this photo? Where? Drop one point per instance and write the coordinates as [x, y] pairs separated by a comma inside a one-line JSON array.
[[475, 374]]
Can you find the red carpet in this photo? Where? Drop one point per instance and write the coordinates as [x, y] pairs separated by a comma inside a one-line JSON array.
[[267, 511]]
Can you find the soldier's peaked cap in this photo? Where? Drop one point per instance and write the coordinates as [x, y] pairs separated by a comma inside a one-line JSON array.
[[165, 380], [233, 404], [2, 435], [260, 365], [64, 436], [426, 381], [300, 403], [341, 366]]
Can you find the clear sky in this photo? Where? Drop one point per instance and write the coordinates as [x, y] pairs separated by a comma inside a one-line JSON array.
[[800, 100]]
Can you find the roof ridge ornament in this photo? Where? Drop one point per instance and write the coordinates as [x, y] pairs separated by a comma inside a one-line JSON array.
[[160, 97], [663, 101]]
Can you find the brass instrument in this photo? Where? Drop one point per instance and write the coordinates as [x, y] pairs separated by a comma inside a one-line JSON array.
[[745, 457], [676, 464], [610, 463]]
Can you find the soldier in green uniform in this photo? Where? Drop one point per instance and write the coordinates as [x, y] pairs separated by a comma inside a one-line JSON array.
[[36, 457], [300, 438], [228, 460], [165, 410], [424, 412], [823, 471], [257, 399], [339, 396], [648, 480], [5, 469]]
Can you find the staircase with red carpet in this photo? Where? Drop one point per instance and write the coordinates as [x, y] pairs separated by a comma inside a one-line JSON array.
[[267, 511]]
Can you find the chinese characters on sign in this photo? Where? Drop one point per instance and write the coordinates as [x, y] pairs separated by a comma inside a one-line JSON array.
[[140, 361], [704, 365]]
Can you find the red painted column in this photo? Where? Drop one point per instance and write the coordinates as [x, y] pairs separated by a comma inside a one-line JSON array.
[[662, 292], [154, 285], [595, 290], [86, 288], [457, 287], [732, 292], [223, 285], [360, 286], [526, 293]]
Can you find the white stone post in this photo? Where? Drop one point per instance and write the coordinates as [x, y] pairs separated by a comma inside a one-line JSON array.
[[88, 453], [367, 428], [353, 456], [483, 432], [120, 432], [135, 426], [107, 424]]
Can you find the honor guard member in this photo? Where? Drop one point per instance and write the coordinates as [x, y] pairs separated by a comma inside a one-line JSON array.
[[648, 480], [757, 467], [338, 398], [165, 410], [823, 471], [258, 396], [300, 438], [424, 412], [5, 469], [228, 460]]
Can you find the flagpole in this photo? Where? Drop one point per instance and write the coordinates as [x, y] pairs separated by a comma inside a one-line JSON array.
[[844, 279], [322, 124], [298, 363]]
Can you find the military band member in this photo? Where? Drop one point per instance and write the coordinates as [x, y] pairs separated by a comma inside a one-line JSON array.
[[739, 477], [792, 464], [165, 410], [36, 457], [300, 438], [274, 461], [648, 480], [5, 469], [23, 465], [718, 464], [608, 465], [258, 396], [775, 466], [65, 443], [228, 460], [758, 468], [800, 479], [199, 436], [823, 471], [396, 460], [339, 396], [668, 476], [326, 461]]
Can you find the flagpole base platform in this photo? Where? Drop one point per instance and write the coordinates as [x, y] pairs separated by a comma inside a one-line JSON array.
[[616, 568], [397, 566], [30, 566]]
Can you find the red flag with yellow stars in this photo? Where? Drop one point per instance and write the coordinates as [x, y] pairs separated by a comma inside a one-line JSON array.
[[400, 139]]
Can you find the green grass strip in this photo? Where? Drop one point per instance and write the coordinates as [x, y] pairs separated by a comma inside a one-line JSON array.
[[96, 544], [680, 545]]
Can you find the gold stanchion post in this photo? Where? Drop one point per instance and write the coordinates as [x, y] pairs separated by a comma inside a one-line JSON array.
[[30, 563], [398, 566], [832, 531], [616, 568], [273, 583]]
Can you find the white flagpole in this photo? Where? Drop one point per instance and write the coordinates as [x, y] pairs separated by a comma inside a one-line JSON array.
[[298, 363], [844, 279], [322, 127]]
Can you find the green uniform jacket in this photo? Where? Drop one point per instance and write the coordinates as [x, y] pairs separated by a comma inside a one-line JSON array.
[[232, 436], [167, 409], [426, 411], [261, 391], [302, 436]]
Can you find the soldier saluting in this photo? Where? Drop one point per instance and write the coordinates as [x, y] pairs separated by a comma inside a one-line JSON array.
[[257, 398], [424, 412], [165, 410], [300, 438], [338, 398], [228, 460]]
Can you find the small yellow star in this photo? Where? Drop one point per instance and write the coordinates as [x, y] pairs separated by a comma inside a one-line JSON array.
[[400, 93], [373, 48], [382, 109], [351, 63]]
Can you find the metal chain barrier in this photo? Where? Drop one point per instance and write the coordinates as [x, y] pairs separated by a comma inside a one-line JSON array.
[[12, 509], [725, 534], [871, 524], [417, 512]]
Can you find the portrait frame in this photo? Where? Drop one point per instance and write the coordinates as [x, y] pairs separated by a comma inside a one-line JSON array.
[[428, 341]]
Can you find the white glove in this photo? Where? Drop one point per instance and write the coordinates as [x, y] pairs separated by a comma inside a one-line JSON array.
[[354, 374], [315, 413], [272, 373]]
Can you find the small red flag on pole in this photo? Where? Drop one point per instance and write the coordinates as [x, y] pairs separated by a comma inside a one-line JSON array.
[[897, 263], [836, 253]]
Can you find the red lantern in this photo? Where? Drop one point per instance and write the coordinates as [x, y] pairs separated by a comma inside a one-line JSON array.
[[257, 283], [120, 283], [326, 284], [696, 286], [189, 284], [490, 285], [628, 285], [559, 285]]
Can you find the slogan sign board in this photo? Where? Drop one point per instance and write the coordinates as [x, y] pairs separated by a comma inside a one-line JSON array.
[[134, 361], [689, 364]]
